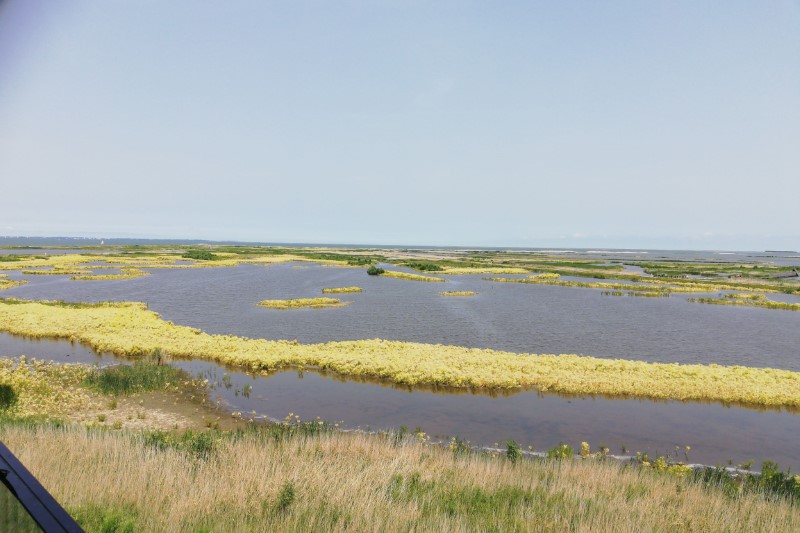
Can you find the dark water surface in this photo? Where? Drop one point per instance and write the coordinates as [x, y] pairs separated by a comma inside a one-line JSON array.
[[507, 316]]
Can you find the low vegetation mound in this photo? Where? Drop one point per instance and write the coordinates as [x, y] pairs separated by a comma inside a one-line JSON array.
[[409, 276], [299, 303], [338, 290], [458, 293]]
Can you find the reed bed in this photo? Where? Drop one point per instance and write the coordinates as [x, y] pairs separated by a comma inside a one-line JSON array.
[[409, 276], [131, 330], [299, 303], [124, 481], [458, 293], [338, 290]]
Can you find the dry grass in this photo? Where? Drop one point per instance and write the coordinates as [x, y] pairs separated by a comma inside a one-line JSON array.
[[355, 482]]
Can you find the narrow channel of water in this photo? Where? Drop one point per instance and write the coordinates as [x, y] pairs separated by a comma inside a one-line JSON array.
[[716, 434]]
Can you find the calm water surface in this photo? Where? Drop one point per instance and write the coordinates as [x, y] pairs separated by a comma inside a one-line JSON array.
[[507, 316]]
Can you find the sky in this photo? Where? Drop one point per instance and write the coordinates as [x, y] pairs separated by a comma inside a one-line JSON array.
[[624, 124]]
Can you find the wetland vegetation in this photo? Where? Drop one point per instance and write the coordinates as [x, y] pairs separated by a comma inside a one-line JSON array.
[[299, 303], [130, 329], [83, 420]]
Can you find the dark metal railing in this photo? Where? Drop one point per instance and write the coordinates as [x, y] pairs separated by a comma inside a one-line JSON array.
[[25, 505]]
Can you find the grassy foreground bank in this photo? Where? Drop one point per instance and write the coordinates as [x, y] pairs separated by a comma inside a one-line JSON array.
[[323, 481], [130, 329]]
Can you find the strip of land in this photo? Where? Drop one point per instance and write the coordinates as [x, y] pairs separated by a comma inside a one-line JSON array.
[[129, 329]]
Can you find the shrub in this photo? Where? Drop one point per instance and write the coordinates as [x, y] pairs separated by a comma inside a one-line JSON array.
[[201, 255], [7, 397], [375, 271], [512, 451]]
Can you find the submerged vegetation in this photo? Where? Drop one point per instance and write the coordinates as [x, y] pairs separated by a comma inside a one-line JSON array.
[[131, 330], [299, 303]]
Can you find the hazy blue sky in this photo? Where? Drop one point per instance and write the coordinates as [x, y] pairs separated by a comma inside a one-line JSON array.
[[628, 124]]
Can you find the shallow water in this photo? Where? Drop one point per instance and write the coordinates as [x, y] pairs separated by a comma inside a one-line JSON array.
[[508, 316], [716, 434], [515, 317]]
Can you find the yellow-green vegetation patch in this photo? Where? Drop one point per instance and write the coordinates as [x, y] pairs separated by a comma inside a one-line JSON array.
[[458, 293], [8, 283], [644, 287], [299, 303], [740, 300], [337, 290], [42, 390], [409, 276], [746, 296], [131, 330], [484, 270], [57, 272], [545, 275], [127, 273]]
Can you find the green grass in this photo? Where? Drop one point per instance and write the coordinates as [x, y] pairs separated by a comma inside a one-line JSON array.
[[130, 379]]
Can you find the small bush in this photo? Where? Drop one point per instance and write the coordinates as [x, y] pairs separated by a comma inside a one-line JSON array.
[[201, 255], [512, 451], [562, 451], [7, 397], [285, 497], [375, 271]]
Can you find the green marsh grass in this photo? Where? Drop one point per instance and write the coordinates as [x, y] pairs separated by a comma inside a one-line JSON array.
[[130, 379]]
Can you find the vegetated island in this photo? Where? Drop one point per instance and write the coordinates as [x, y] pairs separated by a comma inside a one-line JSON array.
[[130, 329], [299, 303], [748, 300], [458, 293], [409, 276], [339, 290]]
